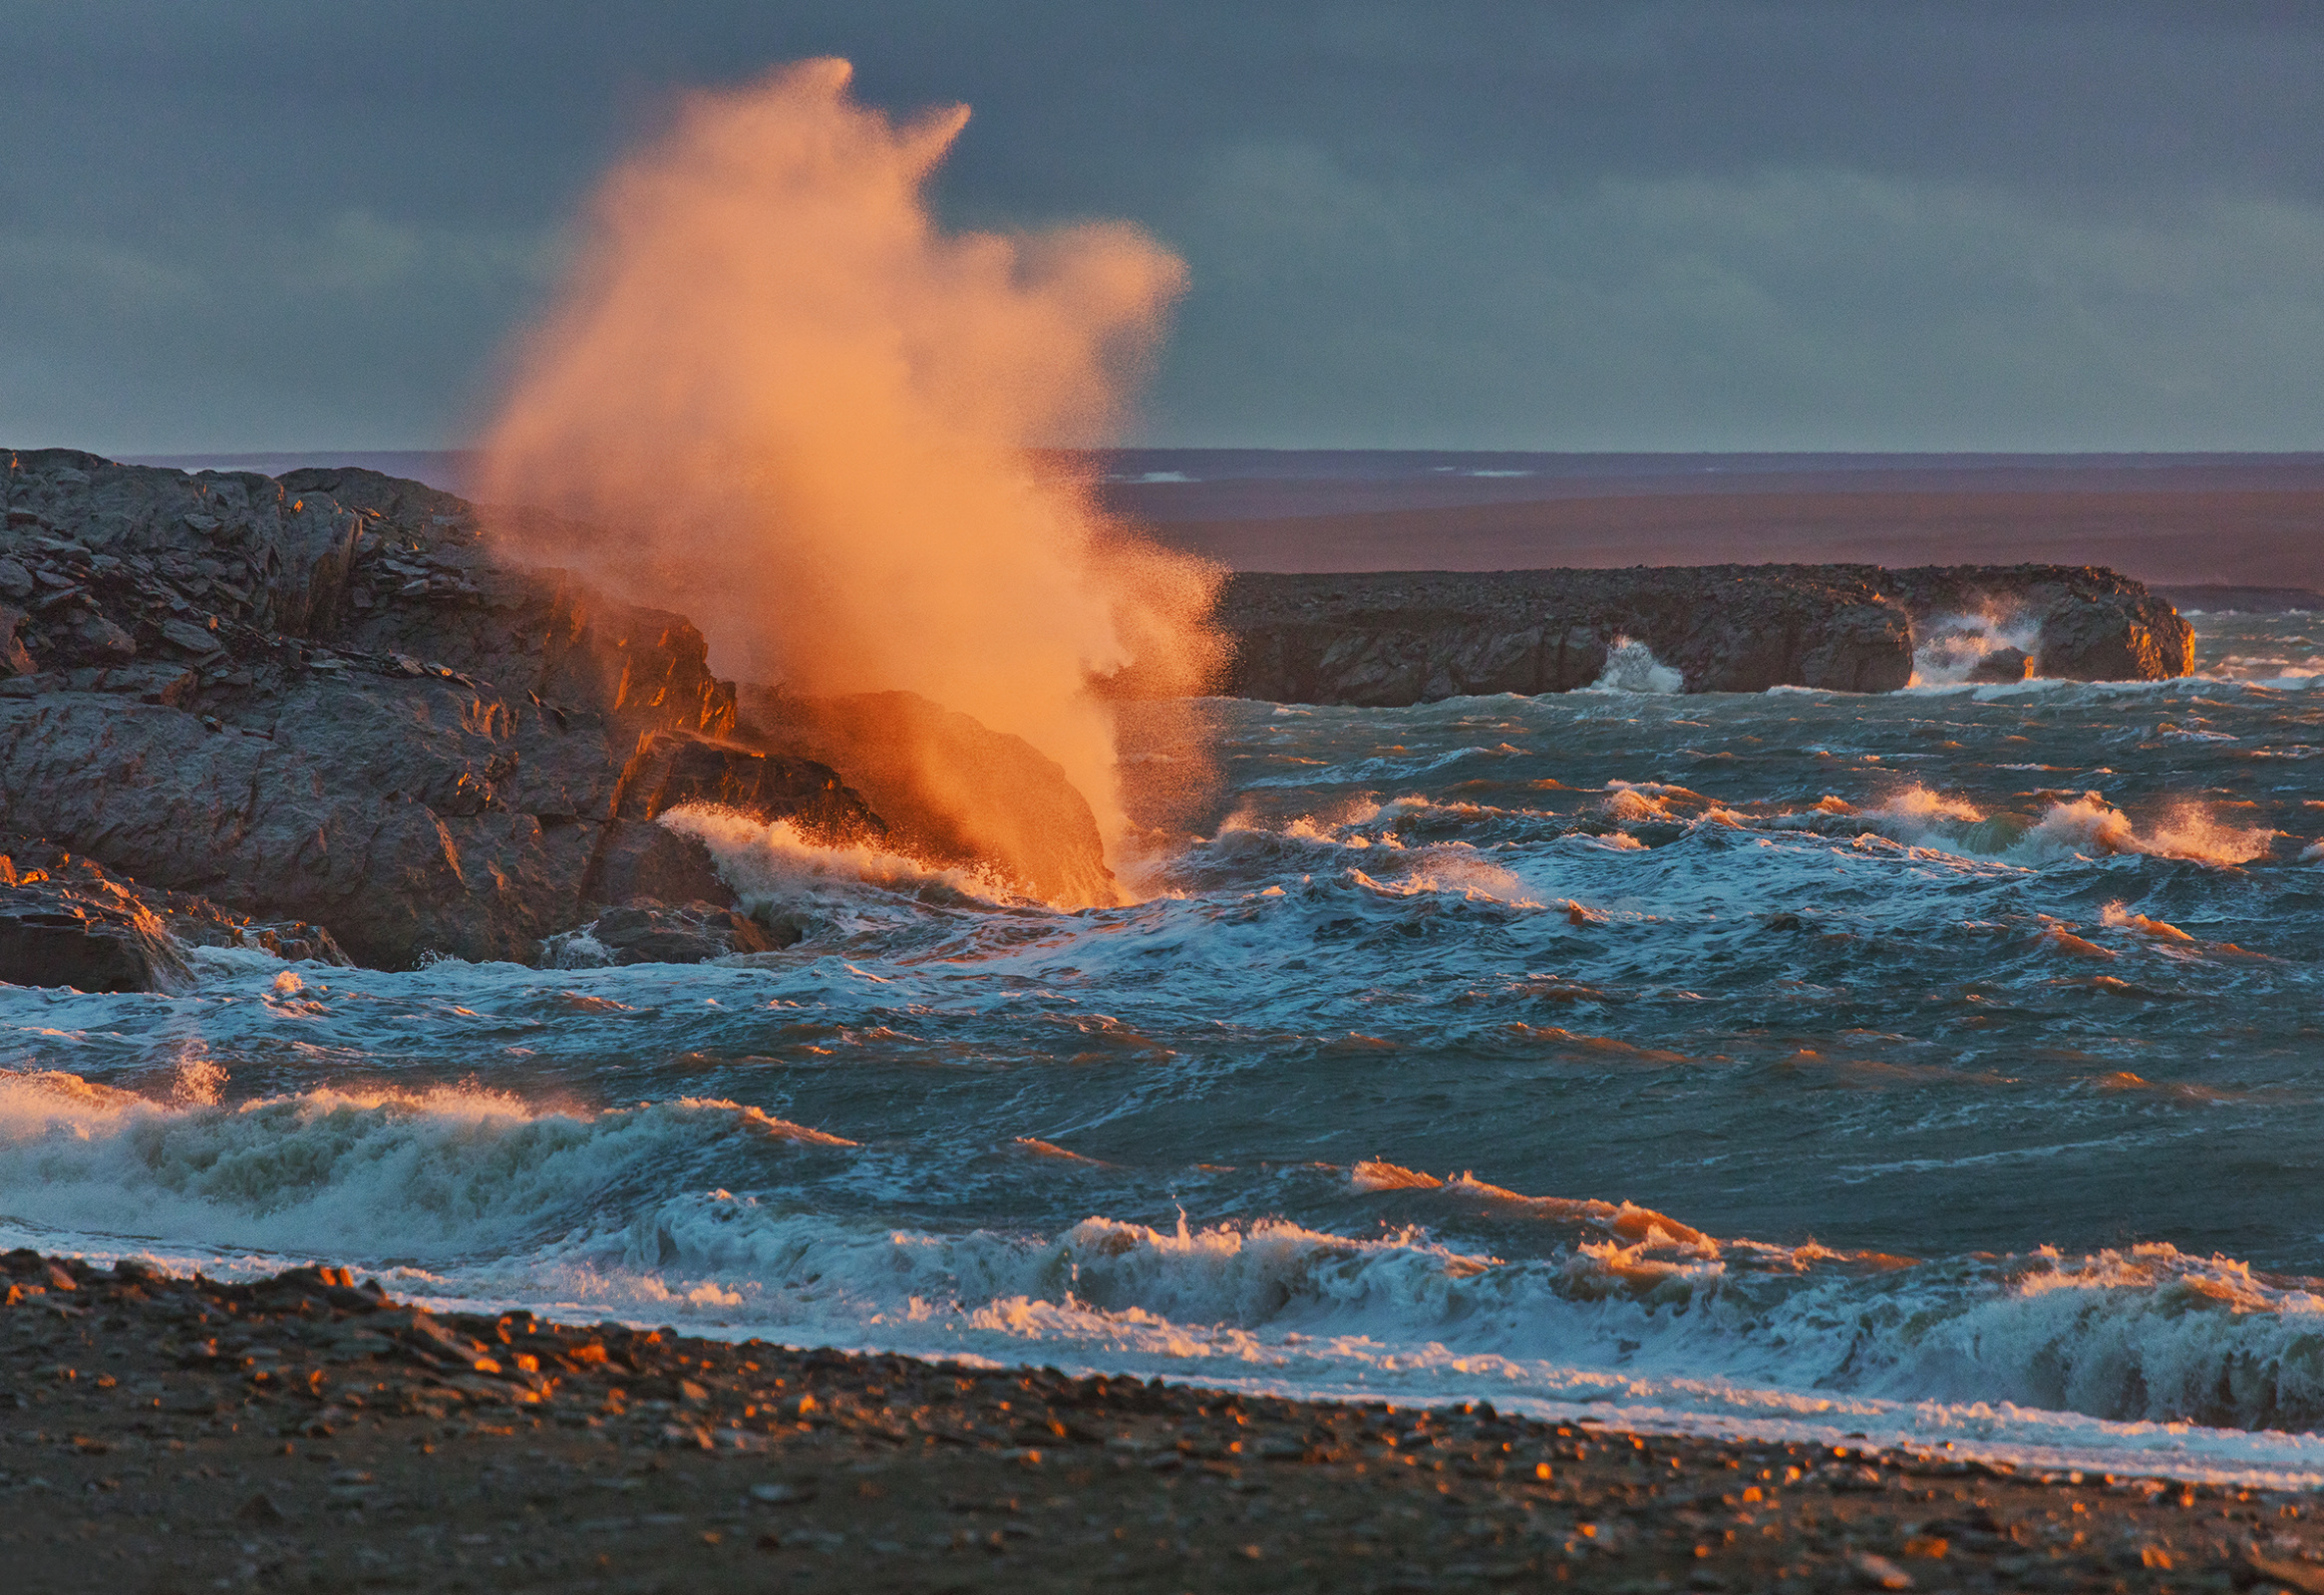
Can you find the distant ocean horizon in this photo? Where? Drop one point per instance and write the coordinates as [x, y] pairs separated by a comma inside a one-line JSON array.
[[2165, 519]]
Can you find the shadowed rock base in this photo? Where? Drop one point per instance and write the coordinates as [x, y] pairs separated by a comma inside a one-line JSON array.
[[302, 1432]]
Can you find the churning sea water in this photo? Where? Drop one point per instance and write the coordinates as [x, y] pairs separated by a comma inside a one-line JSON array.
[[1944, 1067]]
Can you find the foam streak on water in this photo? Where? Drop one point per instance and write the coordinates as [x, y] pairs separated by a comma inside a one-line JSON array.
[[1940, 1067]]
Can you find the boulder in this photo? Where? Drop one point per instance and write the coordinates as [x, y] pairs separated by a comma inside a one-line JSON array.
[[2002, 665], [64, 920], [51, 935], [2126, 639]]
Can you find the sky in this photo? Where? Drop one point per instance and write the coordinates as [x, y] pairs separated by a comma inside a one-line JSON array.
[[1461, 225]]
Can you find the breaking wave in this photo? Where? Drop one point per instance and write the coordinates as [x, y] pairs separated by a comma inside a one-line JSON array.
[[431, 1177], [1973, 647], [2067, 827], [473, 1192], [1632, 667]]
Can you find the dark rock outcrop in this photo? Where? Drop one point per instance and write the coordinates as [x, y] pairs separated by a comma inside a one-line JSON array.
[[1401, 637], [54, 935], [342, 713], [640, 860], [67, 921], [2002, 665], [2093, 624], [648, 932], [950, 789], [322, 700], [428, 586]]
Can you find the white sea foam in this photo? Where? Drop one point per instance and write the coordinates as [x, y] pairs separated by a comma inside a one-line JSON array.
[[473, 1194], [774, 864], [1357, 841], [1435, 941], [2087, 827], [434, 1177], [2090, 826], [1632, 667], [1949, 649]]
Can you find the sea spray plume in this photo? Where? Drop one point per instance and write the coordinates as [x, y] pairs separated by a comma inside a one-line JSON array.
[[802, 413]]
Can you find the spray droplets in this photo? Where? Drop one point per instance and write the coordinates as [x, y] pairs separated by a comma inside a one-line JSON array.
[[777, 397]]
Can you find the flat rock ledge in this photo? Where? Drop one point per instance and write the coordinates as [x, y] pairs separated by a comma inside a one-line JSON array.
[[1390, 638], [307, 1431]]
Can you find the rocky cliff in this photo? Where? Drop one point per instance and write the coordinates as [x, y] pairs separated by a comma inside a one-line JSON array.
[[1403, 637], [321, 700]]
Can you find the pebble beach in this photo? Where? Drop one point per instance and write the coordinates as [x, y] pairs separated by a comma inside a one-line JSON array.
[[307, 1432]]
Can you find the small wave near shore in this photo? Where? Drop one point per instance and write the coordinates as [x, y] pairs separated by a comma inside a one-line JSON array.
[[474, 1196]]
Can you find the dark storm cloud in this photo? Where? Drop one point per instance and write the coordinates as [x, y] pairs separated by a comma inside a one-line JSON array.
[[1588, 226]]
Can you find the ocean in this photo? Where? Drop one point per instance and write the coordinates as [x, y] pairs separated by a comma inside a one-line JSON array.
[[1943, 1068]]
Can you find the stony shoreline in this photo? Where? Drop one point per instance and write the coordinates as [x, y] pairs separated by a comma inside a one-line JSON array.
[[168, 1433]]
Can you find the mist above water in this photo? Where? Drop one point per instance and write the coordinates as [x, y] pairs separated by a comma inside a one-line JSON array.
[[777, 395]]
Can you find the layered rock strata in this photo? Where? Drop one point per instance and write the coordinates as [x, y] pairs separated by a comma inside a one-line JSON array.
[[1396, 637]]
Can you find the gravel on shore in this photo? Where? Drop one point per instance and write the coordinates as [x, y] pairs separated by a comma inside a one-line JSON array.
[[166, 1434]]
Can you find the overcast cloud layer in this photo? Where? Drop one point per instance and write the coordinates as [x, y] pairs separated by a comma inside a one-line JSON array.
[[1533, 226]]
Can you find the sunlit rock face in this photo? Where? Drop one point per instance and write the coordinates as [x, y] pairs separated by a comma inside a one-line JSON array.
[[950, 789], [64, 920], [1400, 637], [2088, 623], [327, 699], [320, 699]]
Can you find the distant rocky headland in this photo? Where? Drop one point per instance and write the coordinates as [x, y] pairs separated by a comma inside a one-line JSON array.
[[314, 714], [1400, 637]]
